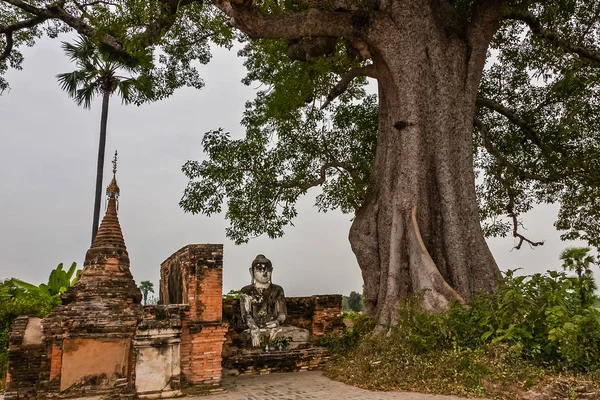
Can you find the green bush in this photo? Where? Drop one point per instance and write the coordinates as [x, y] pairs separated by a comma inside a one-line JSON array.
[[532, 326], [16, 301], [340, 344]]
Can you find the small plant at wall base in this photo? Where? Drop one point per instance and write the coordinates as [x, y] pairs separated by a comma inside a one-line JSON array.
[[281, 343]]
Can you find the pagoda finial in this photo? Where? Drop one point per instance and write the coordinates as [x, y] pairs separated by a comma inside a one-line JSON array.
[[114, 163], [113, 189]]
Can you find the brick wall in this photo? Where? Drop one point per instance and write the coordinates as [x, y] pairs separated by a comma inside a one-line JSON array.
[[56, 361], [201, 347], [327, 316], [24, 363], [197, 272]]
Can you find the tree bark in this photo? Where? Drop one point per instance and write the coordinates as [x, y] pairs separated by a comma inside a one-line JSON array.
[[100, 165], [418, 231]]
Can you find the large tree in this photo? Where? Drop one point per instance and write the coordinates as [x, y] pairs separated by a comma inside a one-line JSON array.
[[505, 89]]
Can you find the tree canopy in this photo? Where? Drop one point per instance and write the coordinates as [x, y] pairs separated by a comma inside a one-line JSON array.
[[515, 82], [536, 138]]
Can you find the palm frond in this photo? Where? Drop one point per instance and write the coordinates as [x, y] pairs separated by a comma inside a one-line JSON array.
[[127, 88], [86, 94], [71, 81], [82, 50]]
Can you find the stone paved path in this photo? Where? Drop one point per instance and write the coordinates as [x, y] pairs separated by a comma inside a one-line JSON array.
[[305, 385], [300, 386]]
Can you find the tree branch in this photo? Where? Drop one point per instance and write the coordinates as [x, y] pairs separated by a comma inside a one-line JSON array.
[[322, 176], [522, 238], [10, 29], [499, 157], [510, 210], [9, 46], [552, 36], [28, 23], [484, 22], [295, 25], [153, 31], [530, 133], [342, 85], [56, 11]]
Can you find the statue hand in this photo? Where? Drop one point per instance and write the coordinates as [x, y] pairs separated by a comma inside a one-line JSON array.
[[272, 324], [255, 335]]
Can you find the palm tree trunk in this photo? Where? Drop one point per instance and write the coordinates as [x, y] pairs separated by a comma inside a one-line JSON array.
[[100, 167]]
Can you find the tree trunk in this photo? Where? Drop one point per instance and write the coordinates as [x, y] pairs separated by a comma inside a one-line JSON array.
[[100, 166], [418, 230]]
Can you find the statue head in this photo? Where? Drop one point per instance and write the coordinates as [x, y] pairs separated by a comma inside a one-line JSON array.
[[261, 270]]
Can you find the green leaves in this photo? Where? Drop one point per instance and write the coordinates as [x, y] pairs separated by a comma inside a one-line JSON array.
[[548, 133], [97, 74], [291, 145], [58, 282], [146, 287]]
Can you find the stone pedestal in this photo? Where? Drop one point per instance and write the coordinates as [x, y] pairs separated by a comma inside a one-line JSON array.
[[261, 362], [298, 336], [157, 346]]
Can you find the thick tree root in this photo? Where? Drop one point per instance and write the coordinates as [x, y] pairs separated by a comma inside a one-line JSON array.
[[425, 277], [406, 245]]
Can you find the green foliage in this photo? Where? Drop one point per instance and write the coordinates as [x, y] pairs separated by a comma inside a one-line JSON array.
[[545, 133], [291, 145], [355, 301], [97, 73], [533, 326], [232, 295], [16, 300], [352, 302], [342, 344], [536, 109], [281, 342], [58, 282], [146, 287], [578, 260], [21, 298], [537, 137], [166, 48]]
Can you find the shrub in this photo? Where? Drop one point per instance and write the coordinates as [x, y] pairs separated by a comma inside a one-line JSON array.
[[501, 342], [340, 344]]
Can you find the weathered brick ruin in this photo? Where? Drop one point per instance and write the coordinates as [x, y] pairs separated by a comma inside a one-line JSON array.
[[90, 336], [194, 275], [102, 341]]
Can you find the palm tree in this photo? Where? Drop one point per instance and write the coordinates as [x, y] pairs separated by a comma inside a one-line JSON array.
[[578, 260], [96, 74], [146, 287]]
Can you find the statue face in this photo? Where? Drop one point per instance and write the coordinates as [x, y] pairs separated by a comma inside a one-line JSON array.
[[262, 273]]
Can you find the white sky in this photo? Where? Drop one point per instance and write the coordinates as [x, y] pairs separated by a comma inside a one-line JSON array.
[[48, 151]]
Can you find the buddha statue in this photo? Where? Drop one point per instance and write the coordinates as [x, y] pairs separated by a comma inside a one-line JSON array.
[[262, 304]]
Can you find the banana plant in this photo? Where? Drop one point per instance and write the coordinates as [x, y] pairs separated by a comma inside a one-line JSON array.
[[58, 282]]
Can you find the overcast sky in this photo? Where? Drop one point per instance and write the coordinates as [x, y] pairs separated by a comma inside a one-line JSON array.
[[48, 152]]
